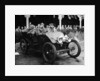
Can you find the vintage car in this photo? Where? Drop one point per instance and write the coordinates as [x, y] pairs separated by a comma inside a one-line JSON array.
[[50, 43]]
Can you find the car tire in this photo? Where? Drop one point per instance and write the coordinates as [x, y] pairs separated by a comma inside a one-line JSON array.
[[49, 52], [78, 47], [25, 47]]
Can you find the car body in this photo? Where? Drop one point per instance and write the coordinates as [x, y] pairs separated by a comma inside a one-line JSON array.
[[49, 43]]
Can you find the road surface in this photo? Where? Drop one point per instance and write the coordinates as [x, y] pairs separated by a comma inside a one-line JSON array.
[[34, 58]]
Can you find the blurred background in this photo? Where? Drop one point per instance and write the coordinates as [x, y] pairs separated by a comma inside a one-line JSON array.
[[73, 24]]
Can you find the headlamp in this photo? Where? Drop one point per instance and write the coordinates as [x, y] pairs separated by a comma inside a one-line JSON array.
[[60, 40]]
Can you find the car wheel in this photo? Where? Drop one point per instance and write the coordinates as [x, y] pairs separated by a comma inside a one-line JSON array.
[[23, 46], [49, 52], [74, 49]]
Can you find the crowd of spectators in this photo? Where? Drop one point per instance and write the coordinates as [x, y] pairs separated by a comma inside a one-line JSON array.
[[42, 28], [39, 29]]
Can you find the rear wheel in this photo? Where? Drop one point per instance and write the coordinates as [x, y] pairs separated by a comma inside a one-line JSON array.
[[24, 46], [49, 52], [74, 49]]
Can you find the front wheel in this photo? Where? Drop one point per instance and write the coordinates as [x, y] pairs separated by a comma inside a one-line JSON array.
[[49, 52], [74, 49]]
